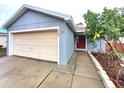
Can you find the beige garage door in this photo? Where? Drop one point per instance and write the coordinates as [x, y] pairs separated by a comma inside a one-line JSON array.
[[40, 45]]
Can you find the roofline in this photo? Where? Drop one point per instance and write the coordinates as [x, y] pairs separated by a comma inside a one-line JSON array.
[[68, 19]]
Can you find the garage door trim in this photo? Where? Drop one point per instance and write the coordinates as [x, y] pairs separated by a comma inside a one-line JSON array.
[[10, 38]]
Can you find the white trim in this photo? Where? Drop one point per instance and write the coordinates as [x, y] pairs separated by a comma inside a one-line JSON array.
[[10, 44], [58, 36], [10, 38], [86, 42], [80, 49], [37, 29]]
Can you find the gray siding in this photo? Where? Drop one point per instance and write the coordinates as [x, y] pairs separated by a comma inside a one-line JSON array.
[[98, 45], [69, 43], [31, 20]]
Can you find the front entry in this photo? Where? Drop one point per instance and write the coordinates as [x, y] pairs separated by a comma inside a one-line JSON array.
[[81, 42]]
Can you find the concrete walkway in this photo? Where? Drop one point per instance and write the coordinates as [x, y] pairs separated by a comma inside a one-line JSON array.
[[23, 72], [79, 73]]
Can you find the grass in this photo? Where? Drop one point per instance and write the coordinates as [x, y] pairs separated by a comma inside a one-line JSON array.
[[2, 52]]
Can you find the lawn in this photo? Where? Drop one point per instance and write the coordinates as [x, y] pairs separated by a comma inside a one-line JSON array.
[[2, 52]]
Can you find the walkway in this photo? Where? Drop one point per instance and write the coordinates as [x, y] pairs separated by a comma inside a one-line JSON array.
[[79, 73]]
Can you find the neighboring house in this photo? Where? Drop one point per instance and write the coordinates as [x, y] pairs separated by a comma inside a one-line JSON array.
[[3, 38], [42, 34], [119, 46]]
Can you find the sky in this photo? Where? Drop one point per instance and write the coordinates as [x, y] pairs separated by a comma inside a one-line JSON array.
[[75, 8]]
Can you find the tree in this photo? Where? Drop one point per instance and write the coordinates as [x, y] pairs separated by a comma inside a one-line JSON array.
[[105, 25]]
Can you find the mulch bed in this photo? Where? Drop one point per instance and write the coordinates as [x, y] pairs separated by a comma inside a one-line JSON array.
[[112, 68]]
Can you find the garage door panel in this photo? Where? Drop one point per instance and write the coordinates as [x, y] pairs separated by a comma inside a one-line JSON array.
[[41, 45], [37, 50], [36, 55]]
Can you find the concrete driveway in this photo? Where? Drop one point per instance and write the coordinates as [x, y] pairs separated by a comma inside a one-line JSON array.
[[24, 72]]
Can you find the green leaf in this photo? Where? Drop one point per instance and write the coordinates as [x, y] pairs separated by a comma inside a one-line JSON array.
[[106, 24], [98, 35]]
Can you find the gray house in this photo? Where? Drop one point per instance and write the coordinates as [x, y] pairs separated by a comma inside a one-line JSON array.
[[42, 34]]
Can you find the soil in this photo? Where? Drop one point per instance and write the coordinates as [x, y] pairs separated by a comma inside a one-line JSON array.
[[112, 67]]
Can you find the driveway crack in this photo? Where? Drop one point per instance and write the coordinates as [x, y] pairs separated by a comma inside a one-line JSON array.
[[45, 77], [73, 71]]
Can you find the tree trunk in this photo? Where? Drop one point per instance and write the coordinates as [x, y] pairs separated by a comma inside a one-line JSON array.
[[110, 45], [112, 49]]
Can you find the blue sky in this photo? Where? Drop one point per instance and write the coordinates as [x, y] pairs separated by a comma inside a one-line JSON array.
[[76, 8]]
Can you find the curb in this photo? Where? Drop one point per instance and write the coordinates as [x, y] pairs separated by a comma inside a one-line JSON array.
[[105, 78], [122, 65]]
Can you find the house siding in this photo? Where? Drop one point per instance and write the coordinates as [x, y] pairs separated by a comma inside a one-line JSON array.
[[69, 43], [32, 20], [97, 46]]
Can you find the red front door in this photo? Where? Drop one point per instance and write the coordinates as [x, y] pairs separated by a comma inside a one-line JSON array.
[[81, 42]]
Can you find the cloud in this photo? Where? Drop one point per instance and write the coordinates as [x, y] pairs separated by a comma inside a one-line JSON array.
[[2, 18], [76, 8]]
